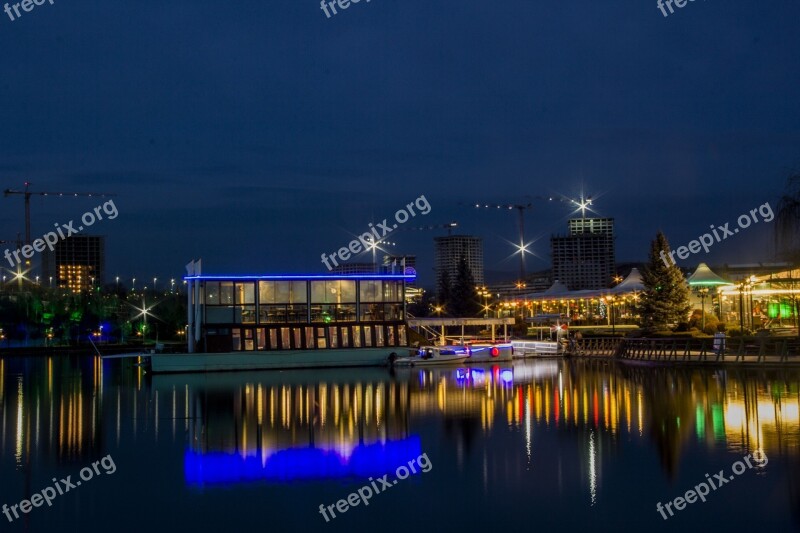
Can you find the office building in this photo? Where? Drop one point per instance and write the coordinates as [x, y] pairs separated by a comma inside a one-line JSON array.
[[76, 263], [449, 251], [585, 258]]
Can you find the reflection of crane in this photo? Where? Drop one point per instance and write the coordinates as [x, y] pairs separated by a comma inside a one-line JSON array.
[[28, 194]]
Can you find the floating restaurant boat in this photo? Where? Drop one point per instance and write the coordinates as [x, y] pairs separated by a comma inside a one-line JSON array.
[[292, 321]]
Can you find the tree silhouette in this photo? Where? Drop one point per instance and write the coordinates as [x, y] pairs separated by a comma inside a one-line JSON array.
[[665, 299], [464, 299], [787, 237]]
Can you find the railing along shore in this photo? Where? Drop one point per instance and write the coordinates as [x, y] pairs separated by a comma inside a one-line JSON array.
[[693, 350]]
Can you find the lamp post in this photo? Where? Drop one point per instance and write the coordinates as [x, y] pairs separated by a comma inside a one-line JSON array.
[[154, 284], [703, 292], [133, 285], [482, 291], [172, 285], [613, 323], [520, 286]]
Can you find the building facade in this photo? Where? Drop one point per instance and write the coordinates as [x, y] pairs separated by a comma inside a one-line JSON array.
[[76, 263], [449, 251], [585, 258], [263, 313]]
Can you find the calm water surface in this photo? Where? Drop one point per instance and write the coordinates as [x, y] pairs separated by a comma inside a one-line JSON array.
[[546, 445]]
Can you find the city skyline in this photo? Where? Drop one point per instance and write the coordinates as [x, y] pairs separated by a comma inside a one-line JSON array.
[[207, 149]]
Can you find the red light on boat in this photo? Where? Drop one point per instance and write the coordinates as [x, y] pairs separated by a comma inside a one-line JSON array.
[[494, 351]]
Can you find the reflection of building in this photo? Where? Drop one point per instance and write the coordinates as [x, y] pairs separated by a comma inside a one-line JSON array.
[[255, 313], [53, 410], [449, 251], [77, 262], [282, 432], [585, 258]]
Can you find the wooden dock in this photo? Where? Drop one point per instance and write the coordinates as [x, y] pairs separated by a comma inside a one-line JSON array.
[[744, 351]]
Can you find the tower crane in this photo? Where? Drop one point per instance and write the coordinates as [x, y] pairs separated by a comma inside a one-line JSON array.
[[27, 194], [448, 226], [521, 247]]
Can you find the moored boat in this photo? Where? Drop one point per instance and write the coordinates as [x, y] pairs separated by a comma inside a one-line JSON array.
[[434, 355]]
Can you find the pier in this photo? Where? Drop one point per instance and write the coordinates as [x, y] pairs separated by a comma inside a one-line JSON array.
[[746, 351]]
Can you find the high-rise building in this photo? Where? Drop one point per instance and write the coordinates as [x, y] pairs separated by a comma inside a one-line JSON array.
[[449, 251], [76, 263], [585, 258]]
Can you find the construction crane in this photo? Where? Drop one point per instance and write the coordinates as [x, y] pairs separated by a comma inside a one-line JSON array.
[[521, 247], [449, 227], [27, 194]]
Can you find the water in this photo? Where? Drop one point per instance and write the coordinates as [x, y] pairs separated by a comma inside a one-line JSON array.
[[546, 445]]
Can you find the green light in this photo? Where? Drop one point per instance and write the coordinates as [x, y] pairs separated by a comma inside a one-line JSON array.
[[718, 421], [700, 425], [783, 310]]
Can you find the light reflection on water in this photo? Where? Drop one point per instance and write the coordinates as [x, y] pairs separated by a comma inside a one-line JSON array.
[[566, 422]]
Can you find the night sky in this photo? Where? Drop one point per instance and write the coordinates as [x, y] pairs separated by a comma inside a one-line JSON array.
[[258, 135]]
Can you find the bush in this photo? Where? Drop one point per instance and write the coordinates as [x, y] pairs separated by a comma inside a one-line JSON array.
[[736, 332], [696, 322]]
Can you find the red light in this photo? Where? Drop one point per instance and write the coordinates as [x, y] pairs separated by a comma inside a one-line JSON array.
[[494, 351]]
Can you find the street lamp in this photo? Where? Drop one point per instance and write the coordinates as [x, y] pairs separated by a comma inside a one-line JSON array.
[[703, 292], [154, 284], [752, 283], [483, 291], [743, 286], [172, 285], [117, 282]]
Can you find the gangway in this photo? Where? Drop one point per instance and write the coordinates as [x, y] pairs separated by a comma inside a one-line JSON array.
[[428, 323]]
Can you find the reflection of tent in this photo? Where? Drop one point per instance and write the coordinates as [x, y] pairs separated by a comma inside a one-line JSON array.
[[705, 277]]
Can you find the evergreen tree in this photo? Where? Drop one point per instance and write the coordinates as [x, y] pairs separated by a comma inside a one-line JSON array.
[[464, 298], [665, 299], [787, 238], [444, 293]]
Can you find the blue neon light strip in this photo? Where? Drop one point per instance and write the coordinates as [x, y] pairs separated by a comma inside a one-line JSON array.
[[220, 468], [298, 277]]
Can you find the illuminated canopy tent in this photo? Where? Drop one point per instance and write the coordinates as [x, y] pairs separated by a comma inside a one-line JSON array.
[[630, 285], [704, 277]]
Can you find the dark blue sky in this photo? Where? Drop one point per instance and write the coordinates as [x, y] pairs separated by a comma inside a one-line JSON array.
[[258, 135]]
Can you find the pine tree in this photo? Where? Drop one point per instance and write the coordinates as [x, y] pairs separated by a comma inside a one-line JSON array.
[[444, 293], [665, 299], [464, 302]]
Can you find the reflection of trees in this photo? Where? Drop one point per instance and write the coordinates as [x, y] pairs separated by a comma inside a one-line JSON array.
[[794, 488], [668, 394], [462, 429]]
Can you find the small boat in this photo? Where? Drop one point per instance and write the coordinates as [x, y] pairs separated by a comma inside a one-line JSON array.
[[433, 355]]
